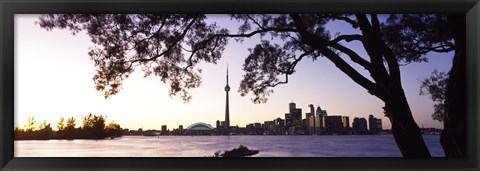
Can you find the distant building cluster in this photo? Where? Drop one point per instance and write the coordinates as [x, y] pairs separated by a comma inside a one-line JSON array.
[[316, 122]]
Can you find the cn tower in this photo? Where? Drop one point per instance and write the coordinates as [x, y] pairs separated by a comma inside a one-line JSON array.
[[227, 112]]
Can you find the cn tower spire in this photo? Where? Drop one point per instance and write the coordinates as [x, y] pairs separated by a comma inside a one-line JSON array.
[[227, 73], [227, 111]]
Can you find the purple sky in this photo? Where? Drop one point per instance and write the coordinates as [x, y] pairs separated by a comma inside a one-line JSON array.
[[53, 78]]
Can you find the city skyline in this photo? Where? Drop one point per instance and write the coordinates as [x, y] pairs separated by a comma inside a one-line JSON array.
[[52, 82]]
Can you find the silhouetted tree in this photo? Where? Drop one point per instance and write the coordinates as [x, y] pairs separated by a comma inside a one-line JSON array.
[[171, 45], [154, 43], [18, 133], [453, 138], [61, 128], [70, 131], [44, 132], [114, 130], [93, 126], [413, 36], [30, 126], [436, 88]]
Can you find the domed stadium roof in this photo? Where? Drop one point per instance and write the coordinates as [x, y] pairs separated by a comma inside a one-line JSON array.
[[200, 126]]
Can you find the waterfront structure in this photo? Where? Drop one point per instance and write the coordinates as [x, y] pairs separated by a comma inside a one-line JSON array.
[[310, 117], [288, 120], [297, 121], [346, 124], [359, 126], [199, 128], [379, 125], [374, 125], [333, 124], [180, 130], [315, 125], [268, 126], [164, 130], [319, 123], [227, 112], [279, 126], [321, 115], [292, 106], [321, 112], [293, 120]]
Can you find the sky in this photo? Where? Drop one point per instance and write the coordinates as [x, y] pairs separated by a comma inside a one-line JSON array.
[[54, 78]]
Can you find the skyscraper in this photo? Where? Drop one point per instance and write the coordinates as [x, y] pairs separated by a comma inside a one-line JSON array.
[[374, 124], [359, 125], [310, 119], [227, 112], [292, 106]]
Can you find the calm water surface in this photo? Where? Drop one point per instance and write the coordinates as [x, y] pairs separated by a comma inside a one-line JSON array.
[[200, 146]]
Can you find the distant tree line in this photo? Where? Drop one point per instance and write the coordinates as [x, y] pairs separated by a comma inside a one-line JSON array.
[[93, 127]]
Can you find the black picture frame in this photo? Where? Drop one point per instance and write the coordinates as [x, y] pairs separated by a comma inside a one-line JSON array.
[[8, 8]]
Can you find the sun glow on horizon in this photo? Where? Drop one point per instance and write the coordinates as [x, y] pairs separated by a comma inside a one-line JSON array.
[[53, 78]]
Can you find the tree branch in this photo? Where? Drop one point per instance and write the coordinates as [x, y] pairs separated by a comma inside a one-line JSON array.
[[348, 20], [169, 47], [370, 42], [320, 44], [348, 38], [254, 21], [291, 68], [353, 55]]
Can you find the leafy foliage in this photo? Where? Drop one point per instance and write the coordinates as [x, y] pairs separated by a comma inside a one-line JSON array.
[[412, 36], [170, 45], [436, 88], [155, 43]]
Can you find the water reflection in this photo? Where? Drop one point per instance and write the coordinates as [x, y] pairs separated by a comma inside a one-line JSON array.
[[200, 146]]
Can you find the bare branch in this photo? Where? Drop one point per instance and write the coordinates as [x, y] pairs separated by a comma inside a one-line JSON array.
[[291, 68], [169, 47], [255, 21], [353, 55], [348, 20], [348, 38]]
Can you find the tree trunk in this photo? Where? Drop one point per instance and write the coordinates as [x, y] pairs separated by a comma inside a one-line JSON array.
[[406, 132], [453, 138]]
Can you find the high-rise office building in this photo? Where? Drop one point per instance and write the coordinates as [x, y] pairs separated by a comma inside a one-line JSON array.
[[379, 125], [346, 124], [268, 126], [297, 120], [345, 121], [288, 120], [333, 124], [359, 126], [292, 106], [320, 120], [310, 120], [321, 112], [164, 130], [372, 125], [280, 126]]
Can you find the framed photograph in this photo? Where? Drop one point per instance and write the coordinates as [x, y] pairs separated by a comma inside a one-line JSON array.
[[239, 85]]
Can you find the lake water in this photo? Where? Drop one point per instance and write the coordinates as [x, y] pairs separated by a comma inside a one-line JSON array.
[[200, 146]]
